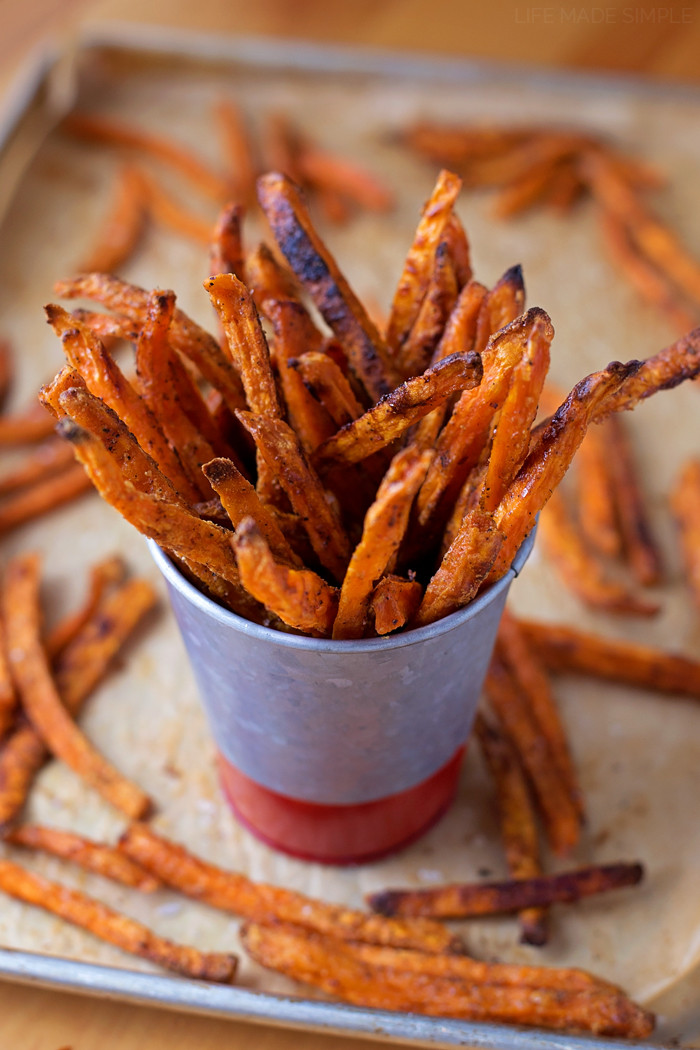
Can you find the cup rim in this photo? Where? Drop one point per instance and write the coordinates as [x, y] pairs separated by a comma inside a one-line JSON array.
[[209, 607]]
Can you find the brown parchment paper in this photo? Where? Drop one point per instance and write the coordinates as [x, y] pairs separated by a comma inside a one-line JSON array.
[[638, 755]]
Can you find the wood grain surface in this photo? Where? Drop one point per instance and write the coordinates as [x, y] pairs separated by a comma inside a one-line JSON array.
[[660, 39]]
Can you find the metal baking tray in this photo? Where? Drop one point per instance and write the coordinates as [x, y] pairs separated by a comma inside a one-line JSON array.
[[69, 197]]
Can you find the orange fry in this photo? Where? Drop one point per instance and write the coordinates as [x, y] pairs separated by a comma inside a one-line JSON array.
[[123, 226], [662, 371], [114, 133], [42, 497], [328, 171], [595, 497], [106, 573], [394, 603], [39, 695], [318, 272], [298, 596], [641, 550], [113, 927], [26, 428], [104, 860], [438, 302], [322, 376], [235, 893], [267, 278], [685, 504], [170, 213], [238, 152], [226, 248], [382, 533], [8, 696], [579, 568]]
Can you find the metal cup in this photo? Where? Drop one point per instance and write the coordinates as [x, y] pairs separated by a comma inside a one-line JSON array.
[[335, 729]]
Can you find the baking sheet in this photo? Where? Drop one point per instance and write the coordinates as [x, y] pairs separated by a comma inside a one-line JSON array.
[[638, 755]]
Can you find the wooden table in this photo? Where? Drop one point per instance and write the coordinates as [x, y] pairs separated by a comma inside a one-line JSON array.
[[661, 39]]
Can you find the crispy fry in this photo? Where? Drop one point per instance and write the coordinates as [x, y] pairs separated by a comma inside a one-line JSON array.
[[595, 499], [560, 815], [395, 412], [685, 504], [322, 376], [438, 302], [662, 371], [298, 596], [345, 971], [503, 304], [235, 893], [531, 675], [551, 455], [319, 273], [238, 152], [111, 926], [283, 452], [394, 603], [413, 283], [26, 428], [115, 133], [566, 649], [39, 694], [512, 438], [108, 572], [641, 550], [467, 900], [186, 336], [267, 278], [382, 533], [226, 248], [463, 569], [104, 860], [517, 821], [108, 328], [42, 497], [123, 226], [79, 668], [45, 459], [240, 500]]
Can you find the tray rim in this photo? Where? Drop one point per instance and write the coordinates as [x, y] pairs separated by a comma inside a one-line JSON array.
[[61, 973]]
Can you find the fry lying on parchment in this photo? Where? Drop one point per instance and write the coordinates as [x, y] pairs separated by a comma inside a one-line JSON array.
[[468, 900], [111, 926], [233, 892], [386, 979], [685, 504]]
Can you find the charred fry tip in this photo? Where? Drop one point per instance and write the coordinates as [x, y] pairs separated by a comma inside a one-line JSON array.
[[72, 432], [514, 276]]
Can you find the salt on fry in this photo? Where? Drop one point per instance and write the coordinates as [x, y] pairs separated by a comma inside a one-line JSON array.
[[39, 694], [235, 893], [111, 926], [382, 533], [298, 596], [394, 602], [107, 861]]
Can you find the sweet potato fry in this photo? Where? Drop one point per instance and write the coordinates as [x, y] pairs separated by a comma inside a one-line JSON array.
[[186, 336], [524, 664], [685, 504], [439, 299], [382, 533], [104, 860], [394, 602], [8, 696], [414, 280], [105, 574], [344, 971], [568, 650], [662, 371], [579, 568], [111, 926], [123, 226], [46, 459], [595, 500], [326, 382], [294, 333], [6, 369], [393, 414], [328, 171], [170, 213], [463, 569], [550, 456], [517, 820], [502, 305], [42, 497], [528, 188], [298, 596], [78, 669], [642, 552], [267, 278], [126, 136], [235, 893], [226, 248], [237, 148], [39, 695], [560, 815], [469, 900], [109, 328], [319, 273], [26, 428], [283, 452], [512, 438], [240, 500]]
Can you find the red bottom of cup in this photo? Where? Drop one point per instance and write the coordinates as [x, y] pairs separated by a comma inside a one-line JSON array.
[[340, 834]]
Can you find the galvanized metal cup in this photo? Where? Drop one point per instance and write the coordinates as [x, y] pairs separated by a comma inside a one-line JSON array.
[[338, 751]]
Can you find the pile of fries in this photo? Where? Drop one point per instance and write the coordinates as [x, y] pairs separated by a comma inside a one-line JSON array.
[[344, 483], [534, 166]]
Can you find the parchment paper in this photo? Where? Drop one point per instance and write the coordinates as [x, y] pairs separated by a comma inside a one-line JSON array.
[[638, 755]]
